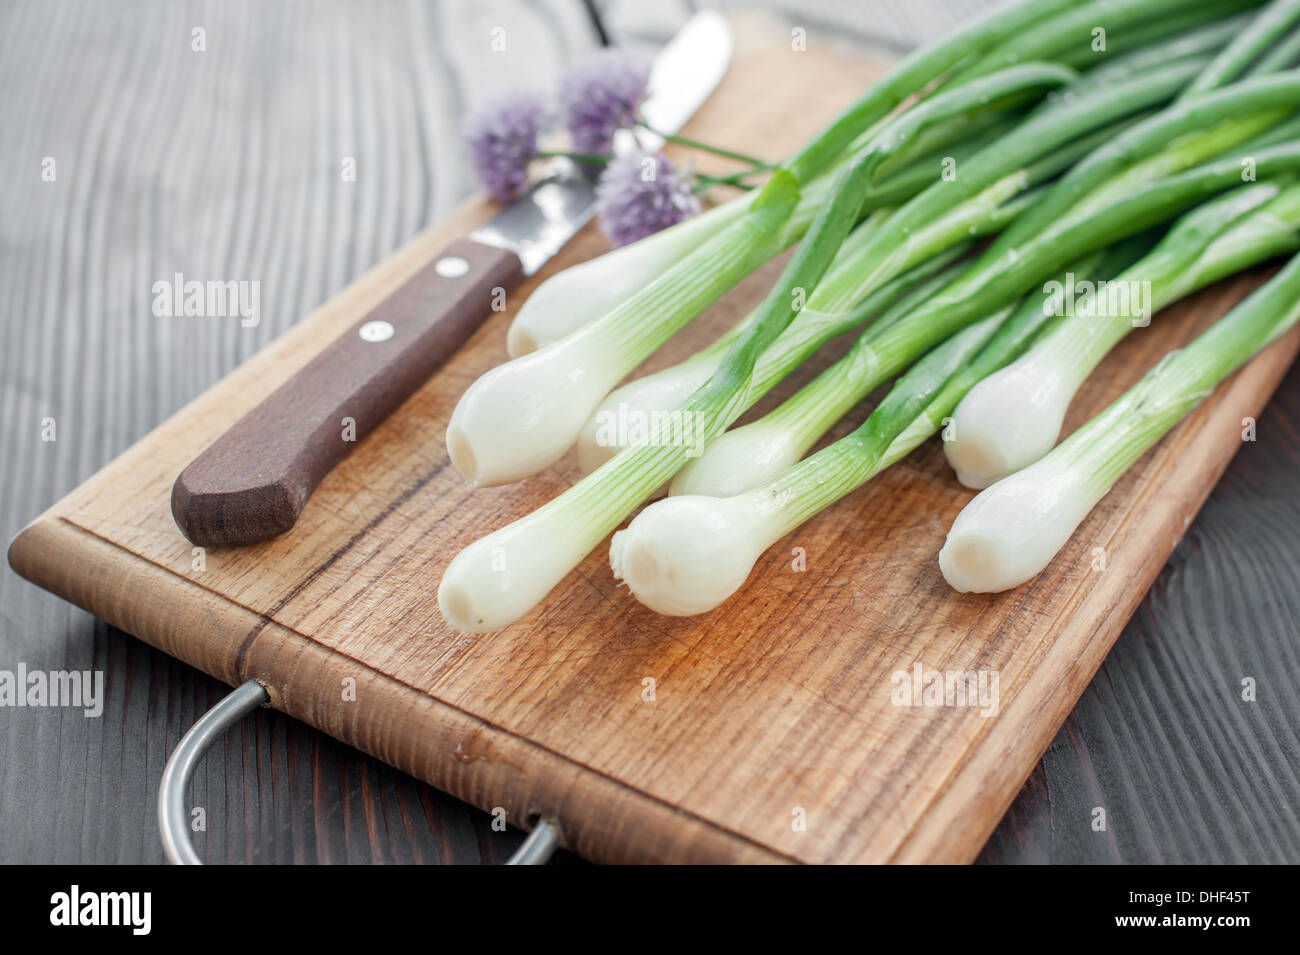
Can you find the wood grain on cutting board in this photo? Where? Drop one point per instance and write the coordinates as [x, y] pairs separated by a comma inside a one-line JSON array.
[[775, 708]]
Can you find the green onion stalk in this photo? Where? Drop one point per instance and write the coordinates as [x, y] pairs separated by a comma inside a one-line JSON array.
[[918, 70], [1166, 142], [1284, 55], [624, 419], [1159, 47], [1009, 532]]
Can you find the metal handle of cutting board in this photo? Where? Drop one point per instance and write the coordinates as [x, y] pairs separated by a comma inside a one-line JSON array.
[[173, 820]]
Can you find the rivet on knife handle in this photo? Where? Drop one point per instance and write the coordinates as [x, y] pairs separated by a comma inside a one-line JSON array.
[[253, 482]]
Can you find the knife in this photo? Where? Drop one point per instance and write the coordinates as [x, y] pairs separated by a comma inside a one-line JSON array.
[[255, 479]]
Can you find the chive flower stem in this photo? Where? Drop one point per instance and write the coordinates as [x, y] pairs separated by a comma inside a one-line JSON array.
[[704, 147]]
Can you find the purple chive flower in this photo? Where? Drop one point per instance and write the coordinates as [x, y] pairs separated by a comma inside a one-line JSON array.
[[639, 194], [599, 95], [502, 137]]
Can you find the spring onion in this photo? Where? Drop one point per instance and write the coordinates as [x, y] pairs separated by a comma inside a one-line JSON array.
[[1070, 37], [582, 293], [1208, 38], [917, 70], [520, 416], [1284, 56], [1009, 532], [1263, 30], [1171, 140], [1159, 166]]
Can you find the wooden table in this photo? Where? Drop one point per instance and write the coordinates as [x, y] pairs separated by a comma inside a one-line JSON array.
[[226, 162]]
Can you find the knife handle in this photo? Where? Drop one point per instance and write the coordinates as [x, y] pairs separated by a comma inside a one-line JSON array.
[[254, 480]]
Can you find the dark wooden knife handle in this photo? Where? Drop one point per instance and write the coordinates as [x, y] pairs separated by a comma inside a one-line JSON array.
[[253, 482]]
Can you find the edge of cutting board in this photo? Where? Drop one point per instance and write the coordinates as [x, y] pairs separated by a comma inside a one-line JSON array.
[[604, 819]]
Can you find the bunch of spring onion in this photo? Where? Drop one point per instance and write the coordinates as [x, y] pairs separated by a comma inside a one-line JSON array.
[[663, 553], [512, 423], [1010, 531]]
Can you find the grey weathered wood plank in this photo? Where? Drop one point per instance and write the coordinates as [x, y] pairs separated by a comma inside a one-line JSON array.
[[226, 164]]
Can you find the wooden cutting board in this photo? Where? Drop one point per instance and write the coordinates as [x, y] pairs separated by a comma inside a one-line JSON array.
[[763, 732]]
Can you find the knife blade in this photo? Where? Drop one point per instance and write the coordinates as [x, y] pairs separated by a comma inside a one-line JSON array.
[[252, 483]]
